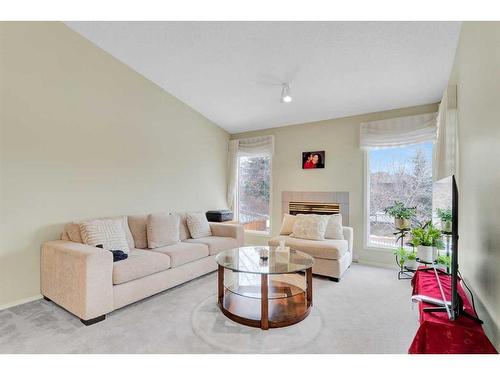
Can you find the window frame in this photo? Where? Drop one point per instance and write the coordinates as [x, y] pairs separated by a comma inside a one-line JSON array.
[[252, 232]]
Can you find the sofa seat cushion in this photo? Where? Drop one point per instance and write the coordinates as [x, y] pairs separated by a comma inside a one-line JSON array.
[[216, 244], [183, 252], [139, 263], [324, 249]]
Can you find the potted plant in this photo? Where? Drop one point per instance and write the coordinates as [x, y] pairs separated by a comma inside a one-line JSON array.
[[443, 261], [446, 218], [406, 258], [427, 240], [401, 214], [401, 255], [411, 261]]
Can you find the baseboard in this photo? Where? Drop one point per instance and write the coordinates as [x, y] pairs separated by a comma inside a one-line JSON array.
[[20, 301]]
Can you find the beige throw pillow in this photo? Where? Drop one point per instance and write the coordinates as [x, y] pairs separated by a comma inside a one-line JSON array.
[[126, 229], [74, 233], [107, 232], [287, 226], [198, 225], [163, 230], [334, 229], [310, 227]]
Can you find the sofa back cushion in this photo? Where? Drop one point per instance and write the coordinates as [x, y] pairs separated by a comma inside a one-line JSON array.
[[72, 230], [287, 226], [198, 225], [334, 229], [310, 227], [138, 228], [106, 232], [162, 229], [183, 228]]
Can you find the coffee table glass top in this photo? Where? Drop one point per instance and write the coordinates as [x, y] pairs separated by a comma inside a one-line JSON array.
[[249, 259]]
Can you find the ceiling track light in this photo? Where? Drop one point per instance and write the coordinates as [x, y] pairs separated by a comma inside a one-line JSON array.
[[286, 95]]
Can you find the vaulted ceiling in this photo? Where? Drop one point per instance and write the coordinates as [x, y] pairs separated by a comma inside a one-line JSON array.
[[232, 72]]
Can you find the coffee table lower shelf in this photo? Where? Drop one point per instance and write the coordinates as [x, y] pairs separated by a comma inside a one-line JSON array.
[[267, 312]]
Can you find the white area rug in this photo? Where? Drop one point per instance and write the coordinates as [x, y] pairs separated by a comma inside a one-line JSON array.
[[369, 311], [230, 337]]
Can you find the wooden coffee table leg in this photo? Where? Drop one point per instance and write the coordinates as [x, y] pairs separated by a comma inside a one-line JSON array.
[[220, 286], [309, 281], [264, 307]]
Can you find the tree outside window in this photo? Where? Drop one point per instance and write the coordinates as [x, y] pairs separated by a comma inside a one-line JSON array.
[[398, 174], [254, 192]]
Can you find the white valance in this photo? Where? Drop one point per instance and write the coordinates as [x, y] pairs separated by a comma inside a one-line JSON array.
[[256, 146], [400, 131], [445, 153]]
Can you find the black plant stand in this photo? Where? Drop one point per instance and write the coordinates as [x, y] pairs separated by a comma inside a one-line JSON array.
[[404, 273]]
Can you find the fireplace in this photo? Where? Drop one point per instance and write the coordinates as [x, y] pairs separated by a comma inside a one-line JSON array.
[[317, 202], [318, 208]]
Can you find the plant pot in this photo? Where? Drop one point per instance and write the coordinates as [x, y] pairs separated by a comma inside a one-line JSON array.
[[411, 264], [401, 223], [446, 226], [427, 253]]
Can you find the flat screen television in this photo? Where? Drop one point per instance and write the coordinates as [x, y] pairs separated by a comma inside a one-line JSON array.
[[454, 308], [456, 301]]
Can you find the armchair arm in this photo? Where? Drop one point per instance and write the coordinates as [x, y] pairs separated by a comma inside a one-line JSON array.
[[77, 277], [229, 230], [348, 235]]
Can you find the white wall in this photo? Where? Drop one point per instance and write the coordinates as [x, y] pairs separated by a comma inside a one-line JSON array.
[[476, 72], [344, 169], [82, 135]]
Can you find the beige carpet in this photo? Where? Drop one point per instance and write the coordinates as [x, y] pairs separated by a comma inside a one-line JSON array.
[[369, 311]]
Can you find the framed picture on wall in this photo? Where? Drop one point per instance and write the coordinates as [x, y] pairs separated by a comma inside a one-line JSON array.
[[313, 159]]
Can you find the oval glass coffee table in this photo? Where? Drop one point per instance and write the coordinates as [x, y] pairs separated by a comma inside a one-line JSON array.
[[266, 287]]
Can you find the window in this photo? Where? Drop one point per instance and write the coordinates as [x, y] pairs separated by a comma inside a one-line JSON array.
[[253, 192], [397, 174]]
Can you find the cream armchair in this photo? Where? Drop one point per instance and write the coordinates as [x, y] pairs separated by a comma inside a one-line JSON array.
[[331, 257]]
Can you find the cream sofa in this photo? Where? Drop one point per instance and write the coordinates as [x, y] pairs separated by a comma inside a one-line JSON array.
[[331, 257], [85, 281]]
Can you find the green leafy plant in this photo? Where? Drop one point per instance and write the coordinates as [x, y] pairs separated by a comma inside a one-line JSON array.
[[401, 254], [412, 255], [427, 235], [444, 260], [444, 214], [399, 211]]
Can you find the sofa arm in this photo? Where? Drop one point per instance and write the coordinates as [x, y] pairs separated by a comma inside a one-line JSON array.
[[77, 277], [229, 230], [348, 235]]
